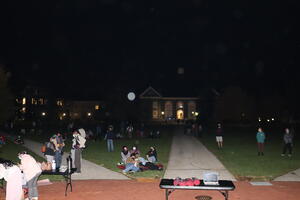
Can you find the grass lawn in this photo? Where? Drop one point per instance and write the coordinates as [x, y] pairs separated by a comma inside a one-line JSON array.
[[10, 151], [239, 154], [97, 152]]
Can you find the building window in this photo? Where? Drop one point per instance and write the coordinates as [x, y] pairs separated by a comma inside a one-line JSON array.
[[24, 101], [191, 109], [97, 107], [59, 103], [155, 110], [41, 101], [168, 109], [180, 112], [34, 101]]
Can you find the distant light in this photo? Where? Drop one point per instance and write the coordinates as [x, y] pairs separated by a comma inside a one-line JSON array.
[[196, 113], [43, 114], [131, 96], [268, 120], [180, 70], [23, 110], [64, 114], [97, 107], [89, 114], [162, 112], [259, 119], [193, 112], [273, 119], [24, 101]]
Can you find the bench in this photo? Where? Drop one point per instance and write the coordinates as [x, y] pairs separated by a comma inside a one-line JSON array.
[[224, 187]]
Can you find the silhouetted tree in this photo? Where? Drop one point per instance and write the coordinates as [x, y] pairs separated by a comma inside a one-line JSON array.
[[235, 105], [6, 98]]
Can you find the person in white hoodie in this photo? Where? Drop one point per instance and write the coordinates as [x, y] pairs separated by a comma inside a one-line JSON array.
[[13, 176], [78, 143]]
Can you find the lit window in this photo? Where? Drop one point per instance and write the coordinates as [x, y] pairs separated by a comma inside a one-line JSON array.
[[24, 101], [59, 103], [97, 107], [34, 101], [41, 101]]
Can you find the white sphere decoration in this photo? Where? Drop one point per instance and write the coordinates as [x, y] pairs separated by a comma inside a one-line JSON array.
[[131, 96]]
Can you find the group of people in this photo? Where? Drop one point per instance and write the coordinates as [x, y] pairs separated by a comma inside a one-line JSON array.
[[260, 138], [134, 162], [55, 145], [19, 176], [287, 142]]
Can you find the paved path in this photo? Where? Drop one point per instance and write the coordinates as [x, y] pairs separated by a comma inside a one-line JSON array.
[[190, 158], [89, 170], [291, 176]]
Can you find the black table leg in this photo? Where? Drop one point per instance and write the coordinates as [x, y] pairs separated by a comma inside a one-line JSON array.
[[167, 194], [225, 194]]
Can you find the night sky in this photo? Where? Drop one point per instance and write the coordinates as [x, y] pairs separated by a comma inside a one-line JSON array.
[[87, 48]]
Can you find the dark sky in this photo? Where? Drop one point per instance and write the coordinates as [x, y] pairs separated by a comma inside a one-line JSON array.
[[91, 46]]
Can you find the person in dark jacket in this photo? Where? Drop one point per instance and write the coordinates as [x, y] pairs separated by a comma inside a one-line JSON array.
[[288, 143], [152, 155], [49, 153], [110, 135], [219, 135]]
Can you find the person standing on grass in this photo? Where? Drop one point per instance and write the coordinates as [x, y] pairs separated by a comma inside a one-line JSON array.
[[109, 138], [288, 142], [219, 136], [260, 138], [32, 170]]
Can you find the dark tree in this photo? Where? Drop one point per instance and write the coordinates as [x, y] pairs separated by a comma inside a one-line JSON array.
[[6, 98]]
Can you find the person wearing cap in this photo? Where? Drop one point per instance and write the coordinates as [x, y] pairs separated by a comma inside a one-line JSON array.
[[110, 135], [31, 170]]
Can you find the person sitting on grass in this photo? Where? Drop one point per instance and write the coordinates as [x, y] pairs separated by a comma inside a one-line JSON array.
[[145, 163], [152, 155], [260, 137], [13, 177], [132, 164], [135, 150], [125, 154]]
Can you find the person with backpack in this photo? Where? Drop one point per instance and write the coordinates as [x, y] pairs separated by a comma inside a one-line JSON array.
[[48, 150], [78, 143]]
